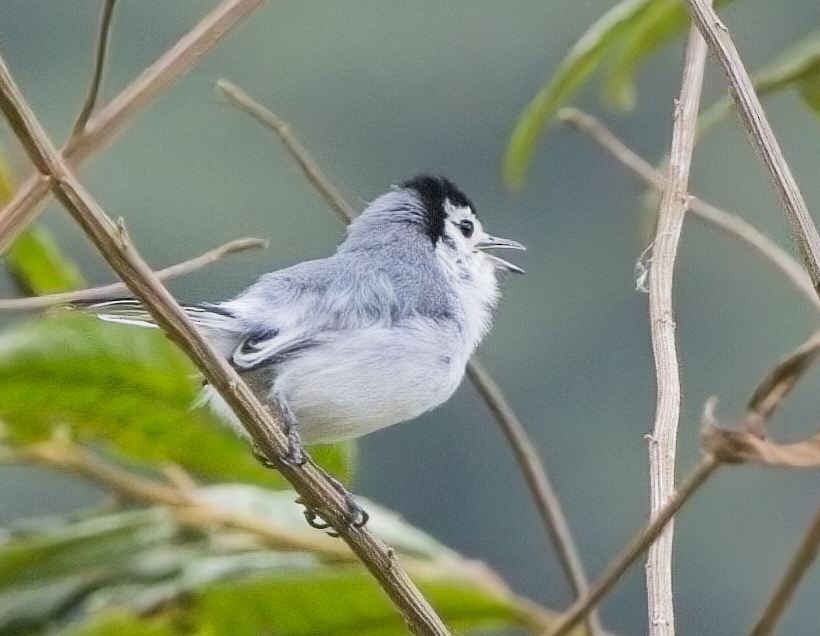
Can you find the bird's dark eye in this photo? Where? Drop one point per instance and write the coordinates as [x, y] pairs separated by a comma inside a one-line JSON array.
[[466, 227]]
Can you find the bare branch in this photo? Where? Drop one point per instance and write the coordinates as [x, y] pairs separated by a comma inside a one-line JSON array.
[[106, 291], [99, 66], [635, 548], [24, 207], [529, 463], [663, 441], [547, 504], [800, 563], [264, 424], [313, 173], [760, 132], [734, 225]]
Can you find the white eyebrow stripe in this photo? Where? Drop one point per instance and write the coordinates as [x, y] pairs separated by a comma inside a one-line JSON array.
[[455, 210]]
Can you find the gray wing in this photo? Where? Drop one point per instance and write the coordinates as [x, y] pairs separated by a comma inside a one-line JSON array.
[[292, 310]]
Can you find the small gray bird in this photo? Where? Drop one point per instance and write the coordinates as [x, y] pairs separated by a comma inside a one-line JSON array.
[[374, 335]]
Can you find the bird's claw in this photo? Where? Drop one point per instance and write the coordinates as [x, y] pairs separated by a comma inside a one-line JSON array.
[[357, 516]]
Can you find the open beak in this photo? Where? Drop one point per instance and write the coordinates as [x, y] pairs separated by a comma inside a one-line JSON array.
[[488, 242]]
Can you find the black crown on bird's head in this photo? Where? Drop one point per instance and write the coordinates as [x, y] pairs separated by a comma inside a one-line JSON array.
[[433, 192]]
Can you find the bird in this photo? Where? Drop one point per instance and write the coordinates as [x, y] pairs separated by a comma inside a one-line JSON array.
[[376, 334]]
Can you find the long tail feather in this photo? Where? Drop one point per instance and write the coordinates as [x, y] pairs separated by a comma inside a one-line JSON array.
[[129, 311]]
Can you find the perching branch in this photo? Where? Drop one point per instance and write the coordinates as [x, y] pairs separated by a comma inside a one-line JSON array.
[[99, 66], [760, 132], [799, 565], [533, 470], [734, 225], [663, 440], [263, 424], [21, 211], [107, 291]]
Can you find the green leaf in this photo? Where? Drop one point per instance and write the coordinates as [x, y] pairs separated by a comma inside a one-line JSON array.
[[662, 22], [582, 60], [139, 572], [624, 36], [127, 389], [39, 266]]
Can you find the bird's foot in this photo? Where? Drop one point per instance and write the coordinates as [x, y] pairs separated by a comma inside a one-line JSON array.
[[357, 515]]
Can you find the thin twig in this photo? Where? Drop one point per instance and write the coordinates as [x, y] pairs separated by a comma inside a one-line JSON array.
[[663, 440], [784, 592], [263, 424], [804, 232], [734, 225], [541, 489], [310, 169], [99, 66], [106, 291], [533, 470], [635, 548], [101, 128]]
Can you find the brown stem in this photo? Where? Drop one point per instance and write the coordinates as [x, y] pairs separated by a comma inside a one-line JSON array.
[[21, 211], [760, 132], [635, 548], [783, 594], [663, 441], [734, 225], [535, 475], [310, 169], [99, 66], [106, 291], [263, 424]]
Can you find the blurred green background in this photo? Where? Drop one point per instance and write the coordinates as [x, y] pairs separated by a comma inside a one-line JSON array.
[[379, 91]]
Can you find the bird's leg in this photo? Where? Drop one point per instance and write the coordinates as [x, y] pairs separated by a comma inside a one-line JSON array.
[[296, 455]]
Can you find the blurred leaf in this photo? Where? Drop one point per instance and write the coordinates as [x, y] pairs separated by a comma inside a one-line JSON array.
[[141, 573], [6, 180], [34, 260], [128, 389], [581, 61], [341, 602], [662, 22], [798, 66], [630, 31], [38, 265]]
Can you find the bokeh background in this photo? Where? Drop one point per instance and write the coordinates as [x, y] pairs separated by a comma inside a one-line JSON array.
[[379, 91]]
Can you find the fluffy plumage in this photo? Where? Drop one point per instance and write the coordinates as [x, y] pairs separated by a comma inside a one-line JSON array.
[[376, 334]]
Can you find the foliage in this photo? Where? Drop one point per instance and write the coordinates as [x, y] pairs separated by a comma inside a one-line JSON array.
[[621, 40], [142, 572]]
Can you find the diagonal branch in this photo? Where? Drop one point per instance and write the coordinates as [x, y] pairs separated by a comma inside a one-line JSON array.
[[533, 470], [263, 424], [310, 169], [760, 132], [107, 291], [731, 223], [799, 565], [23, 209], [535, 475], [663, 441], [99, 66], [619, 566]]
